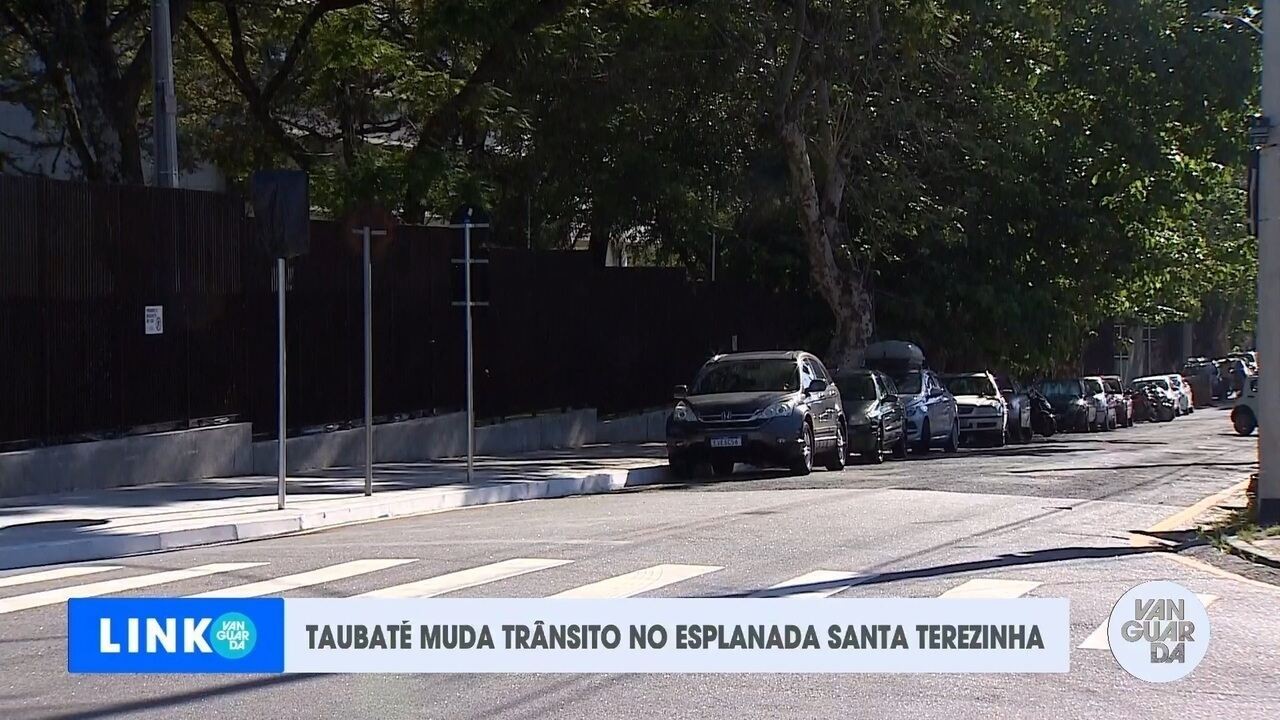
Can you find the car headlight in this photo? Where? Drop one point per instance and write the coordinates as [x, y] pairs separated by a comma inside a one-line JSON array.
[[683, 413], [781, 409]]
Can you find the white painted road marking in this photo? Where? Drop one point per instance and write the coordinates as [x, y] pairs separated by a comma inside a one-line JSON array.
[[640, 581], [106, 587], [990, 589], [57, 574], [463, 579], [1098, 640], [834, 581], [304, 579]]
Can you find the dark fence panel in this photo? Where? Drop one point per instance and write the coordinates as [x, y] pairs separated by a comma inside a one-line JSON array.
[[80, 263]]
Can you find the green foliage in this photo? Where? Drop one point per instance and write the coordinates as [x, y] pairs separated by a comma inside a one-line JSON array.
[[1021, 171]]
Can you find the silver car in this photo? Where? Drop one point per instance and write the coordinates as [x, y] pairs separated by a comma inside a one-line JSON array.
[[931, 410]]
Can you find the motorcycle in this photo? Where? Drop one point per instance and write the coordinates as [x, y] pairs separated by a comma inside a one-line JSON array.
[[1152, 405], [1042, 420]]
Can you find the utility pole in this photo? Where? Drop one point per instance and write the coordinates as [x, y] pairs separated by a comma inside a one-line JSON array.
[[166, 111], [1269, 280]]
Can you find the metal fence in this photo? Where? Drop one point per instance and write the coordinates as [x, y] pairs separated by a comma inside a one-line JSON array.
[[79, 265]]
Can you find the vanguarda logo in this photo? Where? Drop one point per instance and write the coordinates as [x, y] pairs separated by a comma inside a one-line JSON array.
[[175, 635], [1159, 631], [231, 635]]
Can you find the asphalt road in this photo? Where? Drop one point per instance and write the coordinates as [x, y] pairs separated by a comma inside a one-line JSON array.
[[1051, 518]]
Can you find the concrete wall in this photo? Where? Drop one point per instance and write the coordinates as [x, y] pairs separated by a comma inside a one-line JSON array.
[[645, 427], [428, 439], [229, 450], [161, 457]]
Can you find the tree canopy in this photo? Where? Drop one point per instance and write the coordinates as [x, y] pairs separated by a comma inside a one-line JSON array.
[[992, 178]]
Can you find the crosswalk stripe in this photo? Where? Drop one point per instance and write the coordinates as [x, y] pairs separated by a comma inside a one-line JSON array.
[[55, 574], [990, 589], [463, 579], [1098, 639], [106, 587], [640, 581], [304, 579], [833, 581]]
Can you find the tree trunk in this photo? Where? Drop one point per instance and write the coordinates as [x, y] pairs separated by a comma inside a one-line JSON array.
[[843, 289]]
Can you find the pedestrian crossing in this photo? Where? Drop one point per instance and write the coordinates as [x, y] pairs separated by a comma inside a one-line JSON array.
[[814, 584]]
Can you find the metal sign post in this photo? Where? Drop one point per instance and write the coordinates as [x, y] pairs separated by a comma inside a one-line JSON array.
[[280, 357], [467, 262], [365, 234]]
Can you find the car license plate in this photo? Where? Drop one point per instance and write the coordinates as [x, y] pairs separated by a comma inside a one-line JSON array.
[[726, 442]]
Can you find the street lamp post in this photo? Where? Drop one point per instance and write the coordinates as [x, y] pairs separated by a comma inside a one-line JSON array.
[[1269, 280], [1268, 223]]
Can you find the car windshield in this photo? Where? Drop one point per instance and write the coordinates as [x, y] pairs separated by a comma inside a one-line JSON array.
[[732, 376], [1113, 386], [1163, 385], [1092, 386], [856, 387], [1061, 388], [970, 385], [908, 382]]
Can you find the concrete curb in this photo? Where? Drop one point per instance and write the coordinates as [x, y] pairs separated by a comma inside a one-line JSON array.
[[398, 503], [1252, 553]]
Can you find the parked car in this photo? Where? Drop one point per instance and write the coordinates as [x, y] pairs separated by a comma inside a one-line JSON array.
[[1073, 406], [762, 408], [875, 420], [1020, 428], [1121, 400], [931, 411], [1164, 387], [981, 408], [1244, 416], [1186, 405], [1106, 415]]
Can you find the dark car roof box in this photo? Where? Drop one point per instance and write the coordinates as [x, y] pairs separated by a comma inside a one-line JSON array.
[[892, 355]]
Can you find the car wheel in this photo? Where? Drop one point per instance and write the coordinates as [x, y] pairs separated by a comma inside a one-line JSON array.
[[1000, 439], [722, 468], [803, 465], [900, 447], [1243, 421], [953, 442], [876, 455], [837, 458], [680, 469], [1028, 435], [922, 447]]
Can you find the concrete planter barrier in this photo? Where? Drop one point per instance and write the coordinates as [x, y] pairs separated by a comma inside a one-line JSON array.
[[178, 456], [431, 438]]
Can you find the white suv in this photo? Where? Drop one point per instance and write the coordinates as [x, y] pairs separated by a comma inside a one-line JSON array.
[[1183, 388], [1096, 393]]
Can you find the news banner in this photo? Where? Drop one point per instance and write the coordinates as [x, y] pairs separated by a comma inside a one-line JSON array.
[[1159, 631]]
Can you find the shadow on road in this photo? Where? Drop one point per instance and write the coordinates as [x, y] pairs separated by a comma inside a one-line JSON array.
[[1147, 466], [1036, 557]]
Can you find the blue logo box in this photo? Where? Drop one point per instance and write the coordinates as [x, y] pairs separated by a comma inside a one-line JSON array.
[[175, 635]]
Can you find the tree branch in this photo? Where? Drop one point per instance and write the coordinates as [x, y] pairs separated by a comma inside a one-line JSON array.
[[299, 44]]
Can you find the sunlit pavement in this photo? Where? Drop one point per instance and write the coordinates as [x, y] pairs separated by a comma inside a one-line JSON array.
[[1049, 519]]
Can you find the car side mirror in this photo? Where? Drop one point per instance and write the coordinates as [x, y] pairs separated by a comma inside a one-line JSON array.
[[817, 386], [680, 392]]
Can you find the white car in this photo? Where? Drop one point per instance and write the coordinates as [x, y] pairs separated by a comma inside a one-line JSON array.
[[1163, 384], [1244, 416], [982, 410], [1183, 388], [1096, 393]]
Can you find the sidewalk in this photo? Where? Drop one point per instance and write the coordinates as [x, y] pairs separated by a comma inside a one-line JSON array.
[[39, 530]]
